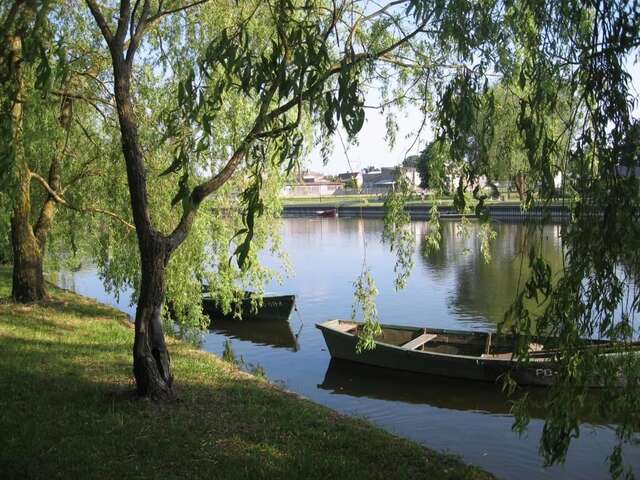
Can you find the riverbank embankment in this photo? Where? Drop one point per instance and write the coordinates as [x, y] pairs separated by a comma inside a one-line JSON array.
[[67, 411], [422, 211]]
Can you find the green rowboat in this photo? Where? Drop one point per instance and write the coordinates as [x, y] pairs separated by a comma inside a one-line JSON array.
[[450, 353], [274, 307]]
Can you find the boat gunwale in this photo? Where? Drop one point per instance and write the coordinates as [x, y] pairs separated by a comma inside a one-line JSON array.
[[207, 296]]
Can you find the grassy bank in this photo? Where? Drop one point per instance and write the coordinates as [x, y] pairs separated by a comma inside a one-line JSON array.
[[67, 411]]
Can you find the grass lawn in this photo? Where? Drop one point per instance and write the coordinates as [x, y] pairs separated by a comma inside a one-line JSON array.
[[67, 411]]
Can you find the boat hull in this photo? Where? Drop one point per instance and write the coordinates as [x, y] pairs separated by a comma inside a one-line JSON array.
[[342, 345], [273, 308], [330, 213]]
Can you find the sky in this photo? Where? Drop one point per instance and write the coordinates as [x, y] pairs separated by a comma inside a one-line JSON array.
[[373, 150]]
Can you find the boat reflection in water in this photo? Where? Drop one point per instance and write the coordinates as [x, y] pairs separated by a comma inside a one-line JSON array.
[[268, 324], [272, 333], [344, 377]]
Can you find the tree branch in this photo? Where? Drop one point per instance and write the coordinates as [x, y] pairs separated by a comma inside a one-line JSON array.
[[100, 20], [136, 39], [90, 100], [359, 57], [90, 210], [11, 15], [383, 9], [264, 117], [47, 212], [164, 13], [123, 21], [133, 18], [202, 191]]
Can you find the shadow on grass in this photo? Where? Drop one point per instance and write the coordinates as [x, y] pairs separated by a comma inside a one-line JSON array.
[[66, 412]]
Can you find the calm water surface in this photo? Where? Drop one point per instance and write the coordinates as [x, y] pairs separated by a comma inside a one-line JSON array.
[[453, 288]]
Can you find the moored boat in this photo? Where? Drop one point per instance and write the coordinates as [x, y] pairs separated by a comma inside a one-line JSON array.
[[330, 212], [273, 307], [449, 353]]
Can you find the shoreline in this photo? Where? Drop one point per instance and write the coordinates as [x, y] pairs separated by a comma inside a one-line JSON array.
[[554, 213], [68, 411]]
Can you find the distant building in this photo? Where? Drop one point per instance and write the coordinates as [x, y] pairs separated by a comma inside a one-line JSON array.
[[312, 184], [350, 177], [311, 177], [371, 170], [312, 189], [384, 179]]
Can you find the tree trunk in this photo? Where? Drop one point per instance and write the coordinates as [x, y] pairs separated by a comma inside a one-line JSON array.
[[520, 184], [28, 245], [151, 361], [28, 278]]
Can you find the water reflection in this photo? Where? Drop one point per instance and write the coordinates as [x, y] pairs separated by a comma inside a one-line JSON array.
[[86, 281], [487, 289], [358, 380], [272, 333]]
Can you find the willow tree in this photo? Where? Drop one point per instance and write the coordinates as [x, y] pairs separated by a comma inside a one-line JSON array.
[[595, 293], [21, 23], [52, 129], [547, 48], [316, 60]]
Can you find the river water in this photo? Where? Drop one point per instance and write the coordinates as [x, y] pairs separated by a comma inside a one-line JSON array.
[[453, 288]]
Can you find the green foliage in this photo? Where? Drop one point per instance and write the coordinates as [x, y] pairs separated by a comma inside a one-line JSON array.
[[365, 293], [351, 184], [433, 238], [486, 235], [562, 104], [397, 232], [260, 80], [595, 293], [431, 164], [229, 355], [63, 135], [258, 371]]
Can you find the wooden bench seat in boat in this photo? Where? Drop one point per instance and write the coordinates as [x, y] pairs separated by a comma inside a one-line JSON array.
[[498, 356], [533, 348], [419, 341], [345, 327]]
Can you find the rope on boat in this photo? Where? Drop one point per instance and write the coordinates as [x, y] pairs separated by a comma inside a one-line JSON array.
[[295, 307]]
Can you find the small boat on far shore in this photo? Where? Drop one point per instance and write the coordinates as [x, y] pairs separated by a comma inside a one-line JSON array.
[[328, 213], [449, 353]]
